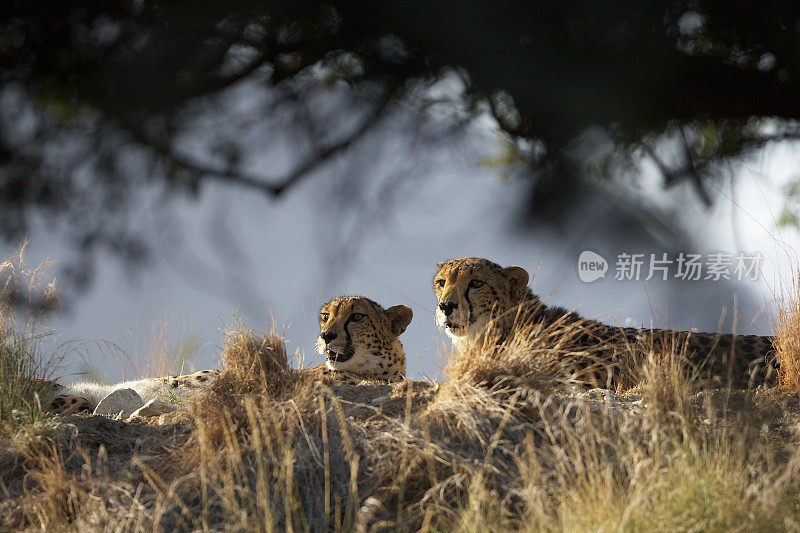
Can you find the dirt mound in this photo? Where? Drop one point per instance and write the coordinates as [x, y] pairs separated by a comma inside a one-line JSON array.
[[508, 439]]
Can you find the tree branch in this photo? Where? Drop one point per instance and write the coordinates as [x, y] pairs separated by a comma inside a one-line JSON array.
[[272, 186], [331, 150], [687, 171]]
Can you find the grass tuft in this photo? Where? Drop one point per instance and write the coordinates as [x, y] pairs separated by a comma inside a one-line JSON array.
[[26, 370], [787, 340]]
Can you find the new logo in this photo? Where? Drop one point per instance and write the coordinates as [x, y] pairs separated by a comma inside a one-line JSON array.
[[591, 266]]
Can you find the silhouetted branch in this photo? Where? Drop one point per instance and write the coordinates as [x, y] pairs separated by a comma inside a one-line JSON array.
[[272, 186], [326, 153], [687, 170], [690, 169]]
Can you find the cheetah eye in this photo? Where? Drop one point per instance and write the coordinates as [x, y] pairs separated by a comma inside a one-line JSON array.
[[440, 282], [476, 284], [324, 317], [357, 316]]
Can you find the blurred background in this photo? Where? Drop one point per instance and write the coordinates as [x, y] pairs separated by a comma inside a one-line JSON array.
[[186, 164]]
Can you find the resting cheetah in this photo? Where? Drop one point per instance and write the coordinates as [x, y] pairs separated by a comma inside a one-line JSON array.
[[359, 339], [85, 396], [474, 293], [357, 336]]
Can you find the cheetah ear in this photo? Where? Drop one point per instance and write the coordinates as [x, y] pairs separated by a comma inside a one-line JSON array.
[[400, 317], [518, 277]]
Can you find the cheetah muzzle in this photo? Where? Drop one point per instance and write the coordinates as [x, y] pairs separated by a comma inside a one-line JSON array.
[[335, 357]]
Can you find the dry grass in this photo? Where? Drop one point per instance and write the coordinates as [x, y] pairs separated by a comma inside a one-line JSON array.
[[666, 382], [25, 367], [168, 350], [538, 357], [787, 339], [510, 440], [254, 364]]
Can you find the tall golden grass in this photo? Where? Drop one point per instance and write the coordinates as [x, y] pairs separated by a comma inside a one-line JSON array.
[[511, 439], [787, 339]]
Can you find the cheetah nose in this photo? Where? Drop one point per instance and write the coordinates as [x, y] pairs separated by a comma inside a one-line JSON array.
[[447, 307], [327, 336]]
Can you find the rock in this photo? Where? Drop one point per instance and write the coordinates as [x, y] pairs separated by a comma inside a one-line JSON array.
[[121, 402], [379, 400], [152, 409], [372, 513]]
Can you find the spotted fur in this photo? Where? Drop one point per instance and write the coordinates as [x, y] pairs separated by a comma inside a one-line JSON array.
[[475, 295], [83, 397], [359, 340]]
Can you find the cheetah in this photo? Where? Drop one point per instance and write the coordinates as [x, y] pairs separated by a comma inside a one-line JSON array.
[[357, 336], [359, 340], [475, 294], [85, 396]]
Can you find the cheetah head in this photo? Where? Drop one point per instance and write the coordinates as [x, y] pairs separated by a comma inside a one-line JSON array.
[[471, 291], [360, 336]]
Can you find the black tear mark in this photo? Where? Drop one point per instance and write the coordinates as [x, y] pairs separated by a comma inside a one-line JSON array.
[[469, 303], [348, 344]]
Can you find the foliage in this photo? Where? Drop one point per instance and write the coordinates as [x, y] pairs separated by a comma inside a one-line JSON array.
[[98, 100]]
